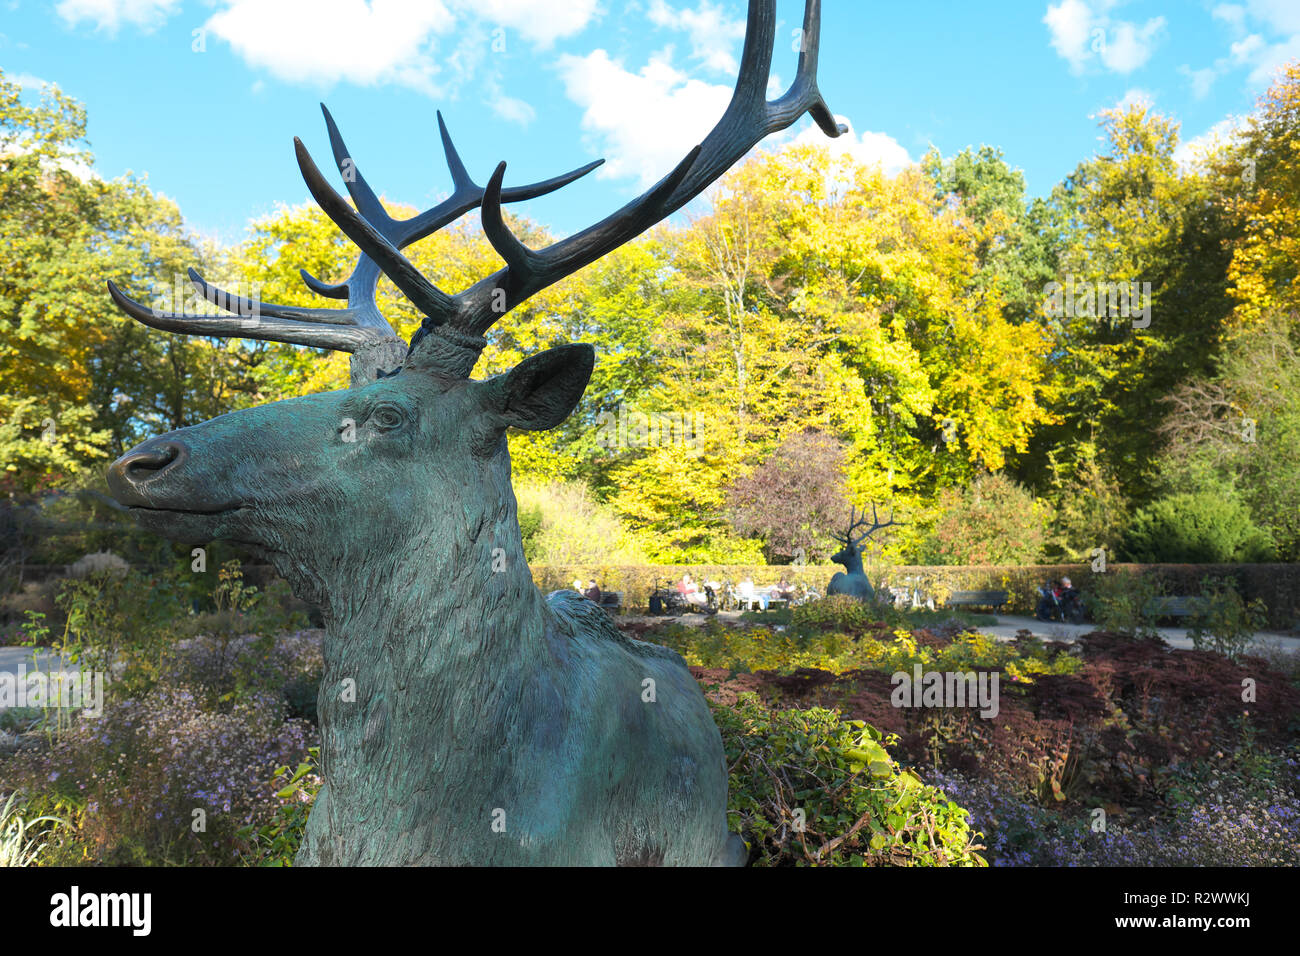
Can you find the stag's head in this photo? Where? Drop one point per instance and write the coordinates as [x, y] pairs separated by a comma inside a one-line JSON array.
[[415, 448], [856, 535]]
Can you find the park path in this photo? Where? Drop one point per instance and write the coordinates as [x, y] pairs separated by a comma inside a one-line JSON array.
[[1009, 624]]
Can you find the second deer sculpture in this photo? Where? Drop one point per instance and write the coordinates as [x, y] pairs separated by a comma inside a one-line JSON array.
[[853, 579]]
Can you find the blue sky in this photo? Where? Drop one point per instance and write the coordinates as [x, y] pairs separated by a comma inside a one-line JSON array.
[[205, 97]]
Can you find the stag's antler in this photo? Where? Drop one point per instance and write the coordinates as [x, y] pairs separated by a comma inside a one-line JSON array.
[[451, 336], [856, 521], [360, 328], [749, 117]]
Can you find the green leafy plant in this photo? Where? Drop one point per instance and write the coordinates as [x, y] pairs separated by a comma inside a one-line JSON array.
[[18, 835], [807, 788], [1225, 622], [839, 612], [1127, 603], [276, 843], [129, 619], [1195, 528]]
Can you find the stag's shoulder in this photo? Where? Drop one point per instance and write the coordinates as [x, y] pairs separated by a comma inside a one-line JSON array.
[[576, 616]]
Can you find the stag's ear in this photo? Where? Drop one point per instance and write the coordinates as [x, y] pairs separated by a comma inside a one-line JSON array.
[[543, 389]]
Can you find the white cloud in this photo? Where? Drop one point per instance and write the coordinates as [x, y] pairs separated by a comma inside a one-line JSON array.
[[541, 22], [643, 123], [365, 42], [1082, 32], [713, 34], [1190, 152], [1266, 36], [1283, 16], [867, 148], [507, 107], [1069, 23], [1244, 49], [109, 15], [27, 80], [1232, 14], [301, 40], [1128, 46], [1200, 80], [1268, 60], [1134, 96]]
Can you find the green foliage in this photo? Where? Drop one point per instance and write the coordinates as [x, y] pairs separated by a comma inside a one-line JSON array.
[[839, 612], [889, 651], [1237, 433], [1131, 214], [567, 526], [1127, 603], [530, 523], [858, 807], [993, 520], [73, 391], [1225, 622], [1087, 508], [1013, 257], [19, 831], [807, 788], [1201, 528], [276, 843], [123, 618]]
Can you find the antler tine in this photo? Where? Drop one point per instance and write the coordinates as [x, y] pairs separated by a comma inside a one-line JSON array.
[[361, 324], [748, 118], [875, 523], [436, 305], [466, 194], [380, 236], [803, 94], [270, 323]]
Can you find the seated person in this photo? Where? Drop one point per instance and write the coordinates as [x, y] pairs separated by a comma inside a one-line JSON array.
[[592, 593], [1049, 600], [690, 592], [785, 590]]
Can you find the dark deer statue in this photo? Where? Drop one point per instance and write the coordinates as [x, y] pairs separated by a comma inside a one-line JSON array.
[[465, 719], [853, 580]]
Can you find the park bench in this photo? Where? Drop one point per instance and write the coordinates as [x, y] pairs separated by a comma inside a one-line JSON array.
[[1175, 606], [612, 601], [993, 599]]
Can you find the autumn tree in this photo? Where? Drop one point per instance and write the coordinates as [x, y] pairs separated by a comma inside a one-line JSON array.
[[794, 499], [79, 382]]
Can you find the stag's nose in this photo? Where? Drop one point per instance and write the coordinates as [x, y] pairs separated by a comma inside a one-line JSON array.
[[129, 477]]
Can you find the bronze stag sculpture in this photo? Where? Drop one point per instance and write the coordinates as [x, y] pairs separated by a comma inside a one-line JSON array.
[[853, 580], [465, 719]]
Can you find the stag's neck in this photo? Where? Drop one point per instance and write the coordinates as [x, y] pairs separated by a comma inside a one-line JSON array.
[[475, 609], [853, 564], [455, 596]]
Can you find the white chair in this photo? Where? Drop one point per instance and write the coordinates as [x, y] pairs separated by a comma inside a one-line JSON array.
[[746, 594]]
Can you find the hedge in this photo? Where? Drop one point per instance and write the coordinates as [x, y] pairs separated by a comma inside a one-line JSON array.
[[1278, 585]]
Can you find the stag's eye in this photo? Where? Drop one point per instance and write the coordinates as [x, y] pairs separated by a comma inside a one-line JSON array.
[[387, 417]]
